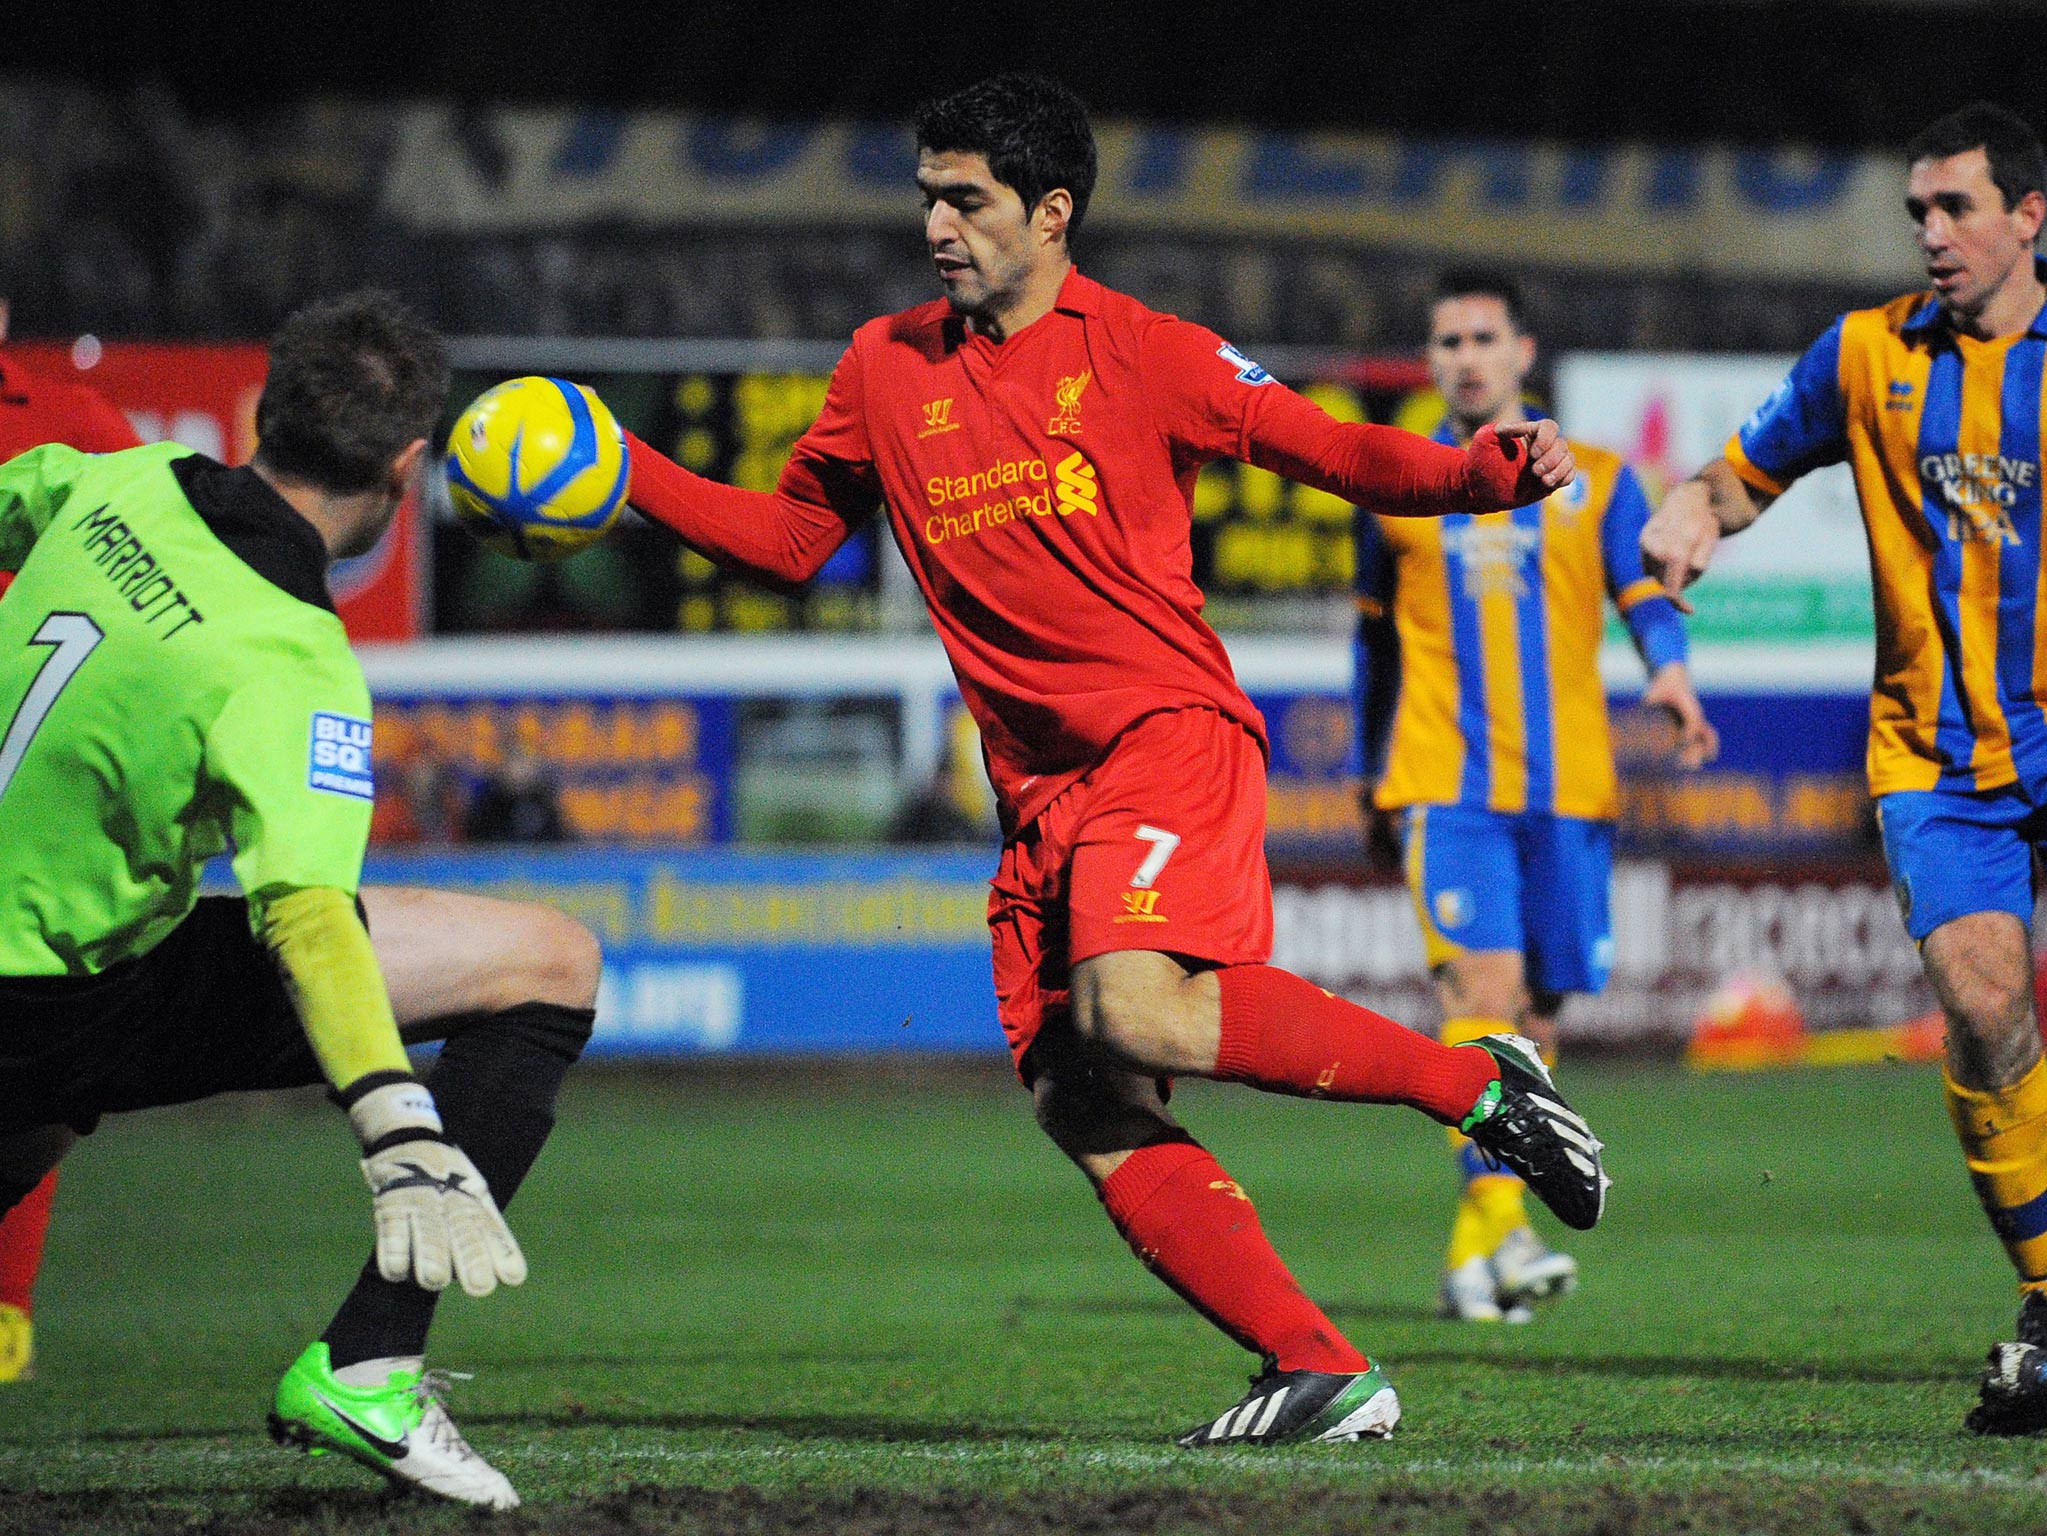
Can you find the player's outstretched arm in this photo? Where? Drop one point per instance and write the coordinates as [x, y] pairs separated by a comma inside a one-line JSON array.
[[436, 1220], [826, 490], [1402, 474], [786, 534], [1214, 402], [1678, 541]]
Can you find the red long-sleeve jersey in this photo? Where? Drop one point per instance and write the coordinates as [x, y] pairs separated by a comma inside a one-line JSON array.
[[36, 409], [1040, 489]]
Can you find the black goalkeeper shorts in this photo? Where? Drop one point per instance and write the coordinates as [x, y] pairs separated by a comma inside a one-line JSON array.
[[204, 1012]]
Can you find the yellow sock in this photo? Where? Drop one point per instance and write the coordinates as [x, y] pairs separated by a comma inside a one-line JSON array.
[[1465, 1030], [2004, 1141], [1467, 1233], [1491, 1204], [17, 1342], [1490, 1207]]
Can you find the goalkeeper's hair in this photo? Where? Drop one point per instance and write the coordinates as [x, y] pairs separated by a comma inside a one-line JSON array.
[[352, 381], [2006, 139], [1033, 131]]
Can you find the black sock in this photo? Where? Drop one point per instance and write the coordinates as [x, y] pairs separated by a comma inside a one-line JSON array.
[[495, 1086]]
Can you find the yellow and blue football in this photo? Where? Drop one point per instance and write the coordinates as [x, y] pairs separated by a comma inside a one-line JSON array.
[[537, 468]]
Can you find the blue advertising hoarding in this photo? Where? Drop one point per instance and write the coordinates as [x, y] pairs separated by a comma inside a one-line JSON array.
[[827, 741], [727, 951]]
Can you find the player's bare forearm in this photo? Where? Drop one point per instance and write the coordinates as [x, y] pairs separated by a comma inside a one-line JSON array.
[[1678, 542], [1734, 502], [761, 533], [1672, 691]]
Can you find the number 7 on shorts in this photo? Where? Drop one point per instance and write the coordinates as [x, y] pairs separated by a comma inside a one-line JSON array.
[[1162, 846]]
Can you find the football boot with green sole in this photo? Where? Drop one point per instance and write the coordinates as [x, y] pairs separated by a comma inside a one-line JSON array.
[[1304, 1406], [1522, 1123]]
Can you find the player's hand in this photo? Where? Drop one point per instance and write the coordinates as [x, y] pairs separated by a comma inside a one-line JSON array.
[[436, 1220], [1679, 539], [1516, 464], [1671, 691]]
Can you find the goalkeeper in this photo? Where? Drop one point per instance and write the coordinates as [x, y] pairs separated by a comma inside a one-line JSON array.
[[175, 682]]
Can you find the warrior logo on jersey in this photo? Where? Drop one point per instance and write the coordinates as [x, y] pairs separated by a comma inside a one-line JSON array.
[[938, 418], [339, 763], [1248, 372], [1066, 401]]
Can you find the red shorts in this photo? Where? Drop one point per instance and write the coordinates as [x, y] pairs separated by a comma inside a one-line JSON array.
[[1160, 845]]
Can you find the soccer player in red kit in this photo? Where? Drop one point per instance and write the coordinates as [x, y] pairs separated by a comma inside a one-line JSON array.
[[36, 409], [1035, 438]]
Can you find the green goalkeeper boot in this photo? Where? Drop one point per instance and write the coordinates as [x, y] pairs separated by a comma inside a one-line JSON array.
[[399, 1430]]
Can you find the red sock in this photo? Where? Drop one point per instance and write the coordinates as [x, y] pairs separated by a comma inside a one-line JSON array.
[[1196, 1230], [21, 1242], [1287, 1035]]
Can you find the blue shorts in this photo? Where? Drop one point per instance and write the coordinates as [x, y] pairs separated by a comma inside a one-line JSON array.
[[1525, 881], [1953, 852]]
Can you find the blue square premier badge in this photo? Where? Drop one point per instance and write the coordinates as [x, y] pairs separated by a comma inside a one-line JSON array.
[[340, 761]]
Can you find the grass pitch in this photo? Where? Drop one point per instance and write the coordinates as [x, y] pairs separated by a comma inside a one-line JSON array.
[[792, 1299]]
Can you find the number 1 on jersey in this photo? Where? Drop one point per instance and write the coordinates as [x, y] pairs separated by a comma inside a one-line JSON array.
[[1162, 846], [72, 637]]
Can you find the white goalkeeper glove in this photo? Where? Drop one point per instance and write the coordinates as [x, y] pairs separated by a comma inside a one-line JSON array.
[[436, 1220]]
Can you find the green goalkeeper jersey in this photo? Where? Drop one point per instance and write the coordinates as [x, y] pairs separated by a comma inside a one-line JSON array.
[[173, 681]]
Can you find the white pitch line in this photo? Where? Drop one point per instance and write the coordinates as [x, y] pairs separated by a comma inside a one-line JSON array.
[[993, 1455], [998, 1453]]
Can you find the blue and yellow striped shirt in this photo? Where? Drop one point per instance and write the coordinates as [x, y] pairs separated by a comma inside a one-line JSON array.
[[1498, 620], [1943, 434]]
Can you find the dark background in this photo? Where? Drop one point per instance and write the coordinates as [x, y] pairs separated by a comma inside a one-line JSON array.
[[1671, 70]]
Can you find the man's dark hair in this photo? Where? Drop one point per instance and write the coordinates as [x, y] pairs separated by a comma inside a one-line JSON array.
[[352, 381], [2006, 139], [1033, 131], [1483, 283]]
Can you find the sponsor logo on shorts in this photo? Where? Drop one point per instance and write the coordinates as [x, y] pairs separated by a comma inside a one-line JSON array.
[[1453, 907], [339, 762], [1141, 907]]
